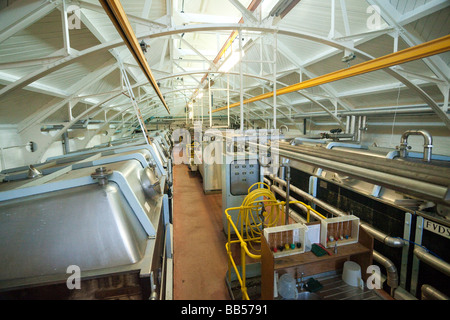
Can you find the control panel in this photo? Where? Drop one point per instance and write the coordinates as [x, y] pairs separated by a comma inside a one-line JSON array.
[[243, 174]]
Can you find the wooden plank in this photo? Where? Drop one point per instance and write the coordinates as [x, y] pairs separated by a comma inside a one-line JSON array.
[[266, 271], [309, 257]]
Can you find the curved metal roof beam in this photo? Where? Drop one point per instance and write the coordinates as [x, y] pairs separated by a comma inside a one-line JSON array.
[[24, 81], [147, 97], [237, 91], [144, 83], [262, 78]]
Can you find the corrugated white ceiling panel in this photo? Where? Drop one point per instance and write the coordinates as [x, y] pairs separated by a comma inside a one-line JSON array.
[[73, 73], [314, 16], [431, 27], [20, 104], [37, 41], [108, 83], [103, 27], [405, 6], [396, 96]]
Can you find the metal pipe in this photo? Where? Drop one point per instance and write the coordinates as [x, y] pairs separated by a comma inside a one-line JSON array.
[[427, 146], [288, 184], [358, 130], [320, 137], [431, 260], [284, 126], [300, 206], [391, 270], [423, 172], [347, 125], [430, 293], [377, 234], [409, 183], [382, 237], [66, 146], [363, 125]]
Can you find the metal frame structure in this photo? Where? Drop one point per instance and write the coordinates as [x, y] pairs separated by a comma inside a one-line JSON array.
[[253, 24]]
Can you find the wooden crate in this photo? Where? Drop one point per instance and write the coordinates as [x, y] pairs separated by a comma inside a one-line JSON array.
[[344, 230], [287, 234]]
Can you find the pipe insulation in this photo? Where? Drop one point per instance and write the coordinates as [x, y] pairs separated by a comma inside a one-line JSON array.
[[392, 274]]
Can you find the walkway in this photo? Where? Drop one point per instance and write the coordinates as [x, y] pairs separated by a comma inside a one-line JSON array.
[[200, 261]]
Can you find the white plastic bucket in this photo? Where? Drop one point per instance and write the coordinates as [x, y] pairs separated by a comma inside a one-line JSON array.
[[351, 274]]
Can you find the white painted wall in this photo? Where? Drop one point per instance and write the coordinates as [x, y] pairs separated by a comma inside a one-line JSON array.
[[12, 157]]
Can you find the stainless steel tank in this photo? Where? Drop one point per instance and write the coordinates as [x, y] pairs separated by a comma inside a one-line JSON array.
[[109, 220]]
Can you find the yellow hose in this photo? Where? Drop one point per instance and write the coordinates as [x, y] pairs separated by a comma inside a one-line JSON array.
[[252, 217]]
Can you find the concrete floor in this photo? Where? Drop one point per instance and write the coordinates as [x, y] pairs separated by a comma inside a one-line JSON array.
[[200, 260]]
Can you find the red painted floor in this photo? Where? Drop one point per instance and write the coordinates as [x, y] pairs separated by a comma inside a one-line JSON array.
[[200, 260]]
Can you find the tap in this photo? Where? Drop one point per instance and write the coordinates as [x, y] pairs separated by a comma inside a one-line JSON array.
[[301, 282]]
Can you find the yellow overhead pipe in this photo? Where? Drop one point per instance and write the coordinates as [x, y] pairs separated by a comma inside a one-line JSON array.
[[118, 17], [420, 51]]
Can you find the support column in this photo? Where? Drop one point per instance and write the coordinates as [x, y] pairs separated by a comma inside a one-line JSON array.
[[241, 80], [275, 80]]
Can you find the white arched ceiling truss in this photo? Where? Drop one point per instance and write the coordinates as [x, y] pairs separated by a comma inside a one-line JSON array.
[[155, 23]]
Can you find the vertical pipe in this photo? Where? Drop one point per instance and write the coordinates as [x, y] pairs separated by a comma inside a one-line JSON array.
[[261, 56], [209, 101], [229, 249], [228, 98], [352, 126], [358, 130], [2, 159], [363, 127], [333, 19], [202, 108], [66, 142], [288, 191], [347, 125], [275, 43], [241, 80]]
